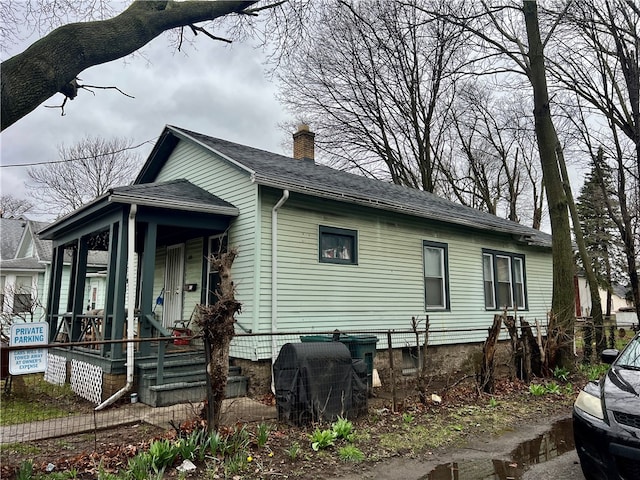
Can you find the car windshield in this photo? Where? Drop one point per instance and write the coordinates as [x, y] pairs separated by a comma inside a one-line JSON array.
[[630, 356]]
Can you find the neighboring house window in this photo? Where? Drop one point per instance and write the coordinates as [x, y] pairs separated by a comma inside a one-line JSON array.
[[22, 297], [338, 245], [504, 280], [436, 282]]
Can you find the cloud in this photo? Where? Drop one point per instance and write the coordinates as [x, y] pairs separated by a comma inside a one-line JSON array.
[[213, 89]]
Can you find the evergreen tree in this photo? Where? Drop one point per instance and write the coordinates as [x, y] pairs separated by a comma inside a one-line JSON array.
[[599, 230]]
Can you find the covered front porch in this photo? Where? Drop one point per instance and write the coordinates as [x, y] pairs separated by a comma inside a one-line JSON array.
[[142, 298]]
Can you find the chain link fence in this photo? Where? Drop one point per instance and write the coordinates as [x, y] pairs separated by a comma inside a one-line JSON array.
[[317, 376]]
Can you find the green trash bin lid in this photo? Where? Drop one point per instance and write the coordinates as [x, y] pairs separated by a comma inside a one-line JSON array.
[[316, 338]]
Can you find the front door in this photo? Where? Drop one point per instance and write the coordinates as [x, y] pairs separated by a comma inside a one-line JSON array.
[[173, 283]]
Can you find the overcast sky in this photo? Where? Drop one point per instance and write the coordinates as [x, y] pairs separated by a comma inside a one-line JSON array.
[[214, 89]]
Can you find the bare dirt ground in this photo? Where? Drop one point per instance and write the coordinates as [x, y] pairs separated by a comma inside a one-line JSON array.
[[396, 441]]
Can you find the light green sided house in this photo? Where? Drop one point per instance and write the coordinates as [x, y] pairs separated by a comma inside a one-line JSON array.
[[318, 249], [322, 249]]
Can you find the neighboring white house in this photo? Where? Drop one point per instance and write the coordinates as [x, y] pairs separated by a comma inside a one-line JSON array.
[[583, 298], [25, 267]]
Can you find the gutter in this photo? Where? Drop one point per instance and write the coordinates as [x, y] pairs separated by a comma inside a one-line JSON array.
[[274, 279], [176, 204], [131, 303], [391, 206]]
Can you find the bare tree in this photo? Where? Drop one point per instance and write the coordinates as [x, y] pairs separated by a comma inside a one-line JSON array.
[[87, 170], [375, 79], [12, 207], [602, 69], [18, 303], [494, 170], [53, 63], [511, 47]]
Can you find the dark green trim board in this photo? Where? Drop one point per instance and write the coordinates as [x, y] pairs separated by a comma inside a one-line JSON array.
[[513, 270], [444, 248]]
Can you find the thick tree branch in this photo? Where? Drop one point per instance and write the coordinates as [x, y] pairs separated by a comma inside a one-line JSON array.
[[51, 63]]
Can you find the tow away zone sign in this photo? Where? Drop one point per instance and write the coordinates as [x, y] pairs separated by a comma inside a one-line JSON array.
[[22, 362]]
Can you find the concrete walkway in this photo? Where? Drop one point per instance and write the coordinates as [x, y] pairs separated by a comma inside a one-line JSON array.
[[234, 410]]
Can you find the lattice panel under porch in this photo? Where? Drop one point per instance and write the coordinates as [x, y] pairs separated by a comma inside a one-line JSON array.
[[56, 372], [86, 381]]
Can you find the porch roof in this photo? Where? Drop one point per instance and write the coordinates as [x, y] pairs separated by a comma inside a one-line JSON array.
[[175, 195]]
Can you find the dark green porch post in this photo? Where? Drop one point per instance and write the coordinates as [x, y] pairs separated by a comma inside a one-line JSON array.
[[107, 319], [55, 284], [78, 279], [146, 280], [120, 285]]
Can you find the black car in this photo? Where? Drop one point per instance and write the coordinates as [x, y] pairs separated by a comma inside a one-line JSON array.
[[606, 419]]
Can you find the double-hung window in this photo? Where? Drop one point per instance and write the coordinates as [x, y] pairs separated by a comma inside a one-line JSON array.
[[436, 281], [504, 280], [22, 296]]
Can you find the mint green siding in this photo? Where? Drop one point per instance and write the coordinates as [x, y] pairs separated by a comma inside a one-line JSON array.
[[231, 184], [384, 290]]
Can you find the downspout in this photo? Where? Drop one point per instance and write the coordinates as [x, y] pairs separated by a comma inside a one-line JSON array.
[[274, 279], [131, 303]]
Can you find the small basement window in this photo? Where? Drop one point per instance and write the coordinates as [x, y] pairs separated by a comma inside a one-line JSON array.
[[411, 360], [338, 245]]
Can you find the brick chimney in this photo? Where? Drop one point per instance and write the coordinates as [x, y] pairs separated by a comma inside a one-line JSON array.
[[303, 144]]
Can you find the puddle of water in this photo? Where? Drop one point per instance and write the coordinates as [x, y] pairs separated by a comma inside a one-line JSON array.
[[555, 442]]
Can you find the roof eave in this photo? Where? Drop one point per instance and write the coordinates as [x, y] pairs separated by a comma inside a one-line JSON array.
[[383, 205], [178, 205]]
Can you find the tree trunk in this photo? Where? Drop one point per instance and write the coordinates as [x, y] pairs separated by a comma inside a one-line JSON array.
[[533, 358], [516, 352], [594, 288], [487, 369], [421, 348], [562, 303], [217, 324], [52, 64]]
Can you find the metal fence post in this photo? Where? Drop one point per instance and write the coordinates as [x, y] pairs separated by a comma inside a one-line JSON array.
[[393, 373]]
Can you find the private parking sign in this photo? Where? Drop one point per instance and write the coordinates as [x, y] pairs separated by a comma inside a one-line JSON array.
[[22, 362]]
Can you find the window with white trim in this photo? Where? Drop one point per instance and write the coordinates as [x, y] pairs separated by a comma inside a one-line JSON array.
[[504, 280], [436, 282], [23, 295]]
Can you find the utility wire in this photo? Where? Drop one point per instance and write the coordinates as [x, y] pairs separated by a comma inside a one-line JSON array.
[[79, 158]]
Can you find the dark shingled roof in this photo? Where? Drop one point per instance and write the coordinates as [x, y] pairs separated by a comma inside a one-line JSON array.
[[179, 193], [11, 230], [23, 264], [304, 176], [44, 248]]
